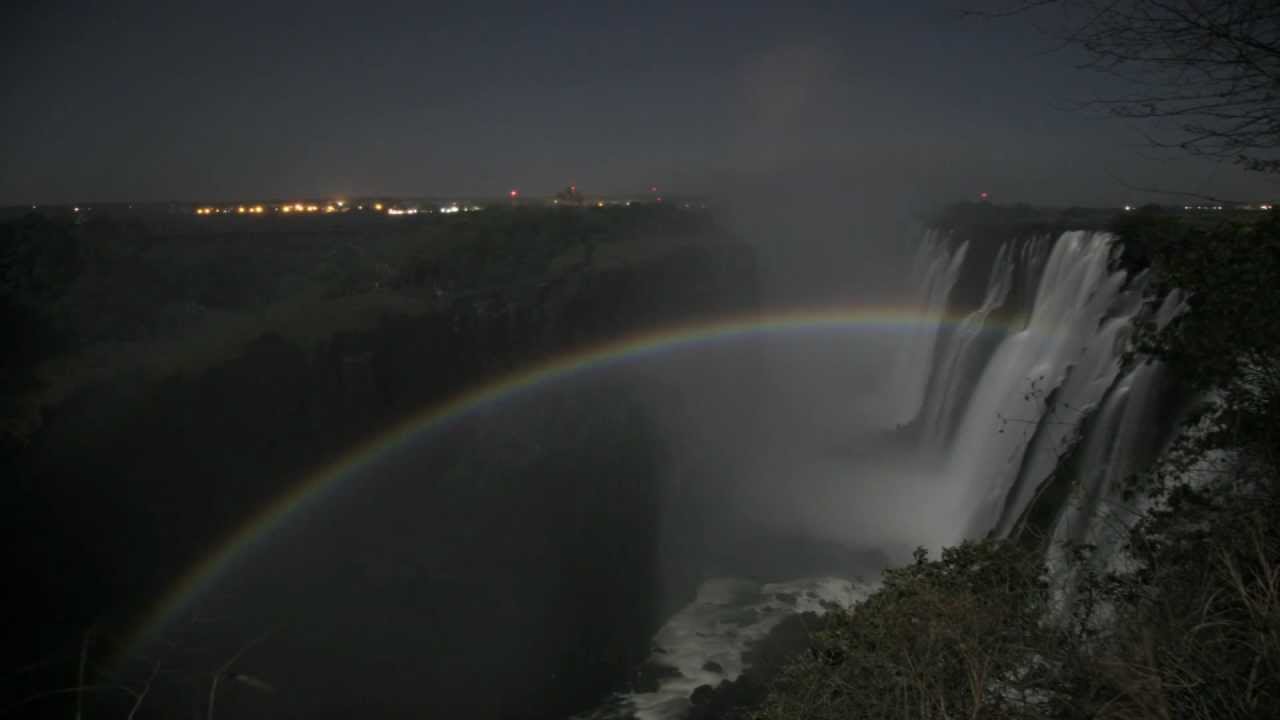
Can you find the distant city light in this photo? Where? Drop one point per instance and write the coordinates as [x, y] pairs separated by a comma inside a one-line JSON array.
[[343, 206], [1128, 208]]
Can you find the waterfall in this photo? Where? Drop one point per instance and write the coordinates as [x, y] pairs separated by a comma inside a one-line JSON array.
[[935, 270], [964, 354], [1124, 439], [1008, 402], [1008, 389], [1018, 359]]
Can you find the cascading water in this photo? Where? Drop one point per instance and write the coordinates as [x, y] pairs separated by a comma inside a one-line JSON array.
[[1121, 440], [991, 402], [964, 355], [1000, 420], [1075, 292], [935, 270]]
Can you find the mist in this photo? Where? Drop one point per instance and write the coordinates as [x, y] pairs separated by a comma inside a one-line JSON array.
[[378, 357]]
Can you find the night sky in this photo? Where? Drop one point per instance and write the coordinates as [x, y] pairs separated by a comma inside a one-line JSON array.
[[156, 101]]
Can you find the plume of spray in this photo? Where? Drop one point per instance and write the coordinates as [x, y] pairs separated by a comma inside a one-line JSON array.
[[833, 213]]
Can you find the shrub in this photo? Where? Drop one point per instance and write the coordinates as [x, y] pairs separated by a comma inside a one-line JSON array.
[[955, 637]]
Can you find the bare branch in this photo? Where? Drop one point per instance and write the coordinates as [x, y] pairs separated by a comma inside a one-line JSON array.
[[222, 671], [1212, 64], [1176, 193], [84, 659], [1019, 9], [141, 694]]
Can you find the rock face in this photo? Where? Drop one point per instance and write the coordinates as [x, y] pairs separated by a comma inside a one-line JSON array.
[[734, 699], [505, 569]]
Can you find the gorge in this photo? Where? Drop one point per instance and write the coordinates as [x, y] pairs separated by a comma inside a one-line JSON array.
[[633, 456]]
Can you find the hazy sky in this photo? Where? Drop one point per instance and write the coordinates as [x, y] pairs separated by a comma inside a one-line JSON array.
[[161, 100]]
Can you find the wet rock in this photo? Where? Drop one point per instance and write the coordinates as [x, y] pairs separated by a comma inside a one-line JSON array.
[[743, 617], [701, 695], [650, 675]]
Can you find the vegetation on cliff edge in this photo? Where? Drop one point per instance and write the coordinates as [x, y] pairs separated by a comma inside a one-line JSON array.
[[1185, 624]]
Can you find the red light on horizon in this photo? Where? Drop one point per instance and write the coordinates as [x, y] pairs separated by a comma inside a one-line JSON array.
[[515, 193]]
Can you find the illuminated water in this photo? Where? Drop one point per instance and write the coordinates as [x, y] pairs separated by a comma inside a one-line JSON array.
[[990, 404]]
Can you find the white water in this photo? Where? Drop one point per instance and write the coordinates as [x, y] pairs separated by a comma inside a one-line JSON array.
[[935, 271], [1070, 351], [1121, 441], [963, 355], [727, 616], [993, 401]]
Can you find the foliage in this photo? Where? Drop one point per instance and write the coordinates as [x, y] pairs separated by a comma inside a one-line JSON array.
[[1196, 629], [1184, 623], [955, 637], [1229, 338]]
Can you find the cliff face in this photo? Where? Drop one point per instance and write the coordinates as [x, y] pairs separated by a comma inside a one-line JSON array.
[[506, 563], [1025, 358]]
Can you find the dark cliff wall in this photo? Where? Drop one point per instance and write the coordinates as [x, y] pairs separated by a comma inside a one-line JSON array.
[[505, 569]]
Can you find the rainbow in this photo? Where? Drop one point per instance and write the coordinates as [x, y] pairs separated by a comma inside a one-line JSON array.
[[318, 485]]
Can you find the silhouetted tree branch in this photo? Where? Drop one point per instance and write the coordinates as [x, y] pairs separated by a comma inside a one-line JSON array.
[[1178, 193], [224, 672], [1209, 67], [153, 674], [140, 694], [84, 658]]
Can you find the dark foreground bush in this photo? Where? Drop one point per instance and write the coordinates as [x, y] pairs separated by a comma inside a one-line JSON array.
[[956, 637], [1185, 623]]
